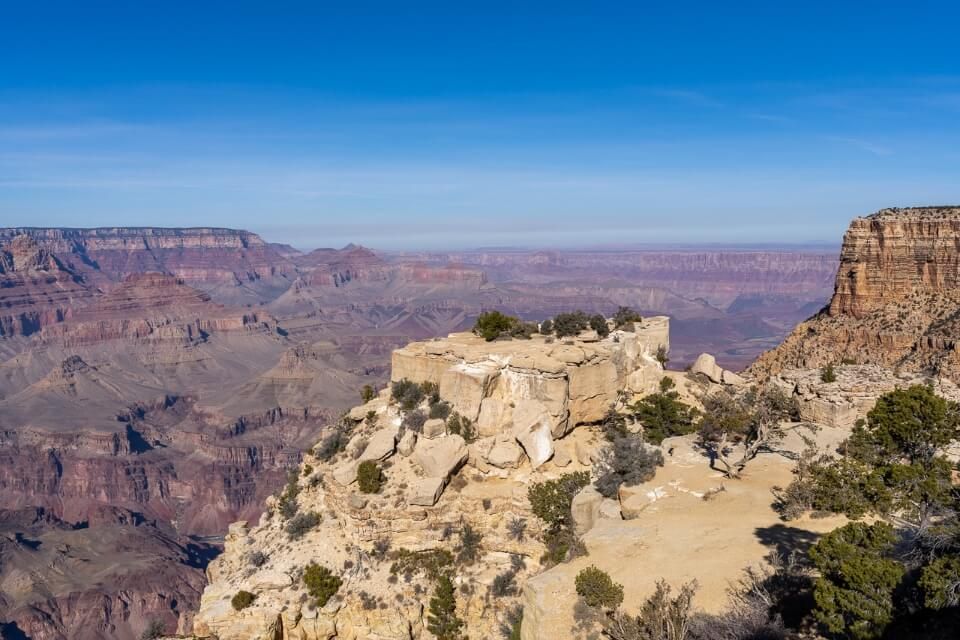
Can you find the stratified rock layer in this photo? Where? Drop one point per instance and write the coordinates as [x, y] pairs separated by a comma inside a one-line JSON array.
[[896, 301]]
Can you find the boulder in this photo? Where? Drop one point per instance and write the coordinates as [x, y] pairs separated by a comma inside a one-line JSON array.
[[426, 491], [440, 457], [706, 364], [505, 455], [532, 428], [494, 413], [561, 454], [585, 509], [584, 452], [434, 428], [465, 385], [593, 388], [381, 445], [346, 473], [407, 443]]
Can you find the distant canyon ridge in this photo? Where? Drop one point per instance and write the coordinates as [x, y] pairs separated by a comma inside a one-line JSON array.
[[157, 384]]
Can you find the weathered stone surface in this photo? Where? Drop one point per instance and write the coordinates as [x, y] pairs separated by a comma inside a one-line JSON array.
[[407, 443], [465, 385], [346, 473], [561, 453], [532, 428], [439, 457], [706, 364], [426, 491], [585, 509], [434, 428], [381, 445], [505, 455], [593, 389], [494, 413], [895, 300]]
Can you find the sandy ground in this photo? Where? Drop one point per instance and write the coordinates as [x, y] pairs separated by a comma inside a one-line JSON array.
[[680, 536]]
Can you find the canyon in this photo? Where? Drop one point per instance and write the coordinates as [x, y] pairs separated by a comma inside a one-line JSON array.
[[539, 406], [176, 375]]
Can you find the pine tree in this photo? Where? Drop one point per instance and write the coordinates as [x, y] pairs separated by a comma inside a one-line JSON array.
[[442, 620]]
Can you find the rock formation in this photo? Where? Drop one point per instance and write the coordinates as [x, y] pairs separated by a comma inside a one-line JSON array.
[[896, 300], [526, 398]]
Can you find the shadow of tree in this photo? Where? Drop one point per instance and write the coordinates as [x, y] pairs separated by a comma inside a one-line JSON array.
[[786, 540]]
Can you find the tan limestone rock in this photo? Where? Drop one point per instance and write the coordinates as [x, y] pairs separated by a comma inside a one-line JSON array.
[[439, 457]]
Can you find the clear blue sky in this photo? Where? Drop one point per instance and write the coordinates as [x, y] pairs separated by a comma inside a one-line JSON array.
[[457, 124]]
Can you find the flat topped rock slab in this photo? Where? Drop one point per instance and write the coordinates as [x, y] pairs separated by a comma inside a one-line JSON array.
[[438, 458], [426, 491], [382, 444]]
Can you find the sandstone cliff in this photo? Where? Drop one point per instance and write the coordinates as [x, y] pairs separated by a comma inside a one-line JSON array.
[[527, 398], [896, 300]]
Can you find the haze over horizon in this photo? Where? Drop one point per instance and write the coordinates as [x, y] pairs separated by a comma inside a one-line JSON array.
[[433, 126]]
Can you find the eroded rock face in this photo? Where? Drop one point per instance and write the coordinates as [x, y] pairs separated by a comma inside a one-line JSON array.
[[854, 393], [576, 380], [895, 300]]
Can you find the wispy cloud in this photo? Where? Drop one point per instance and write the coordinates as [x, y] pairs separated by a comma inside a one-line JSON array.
[[687, 95], [865, 145]]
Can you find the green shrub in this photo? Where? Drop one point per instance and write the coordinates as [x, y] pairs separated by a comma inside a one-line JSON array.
[[626, 461], [320, 583], [414, 421], [491, 325], [599, 324], [442, 620], [463, 427], [550, 500], [661, 356], [406, 393], [940, 582], [367, 393], [854, 593], [242, 599], [546, 327], [307, 470], [154, 629], [625, 317], [333, 443], [570, 324], [664, 415], [469, 550], [598, 589], [440, 410], [433, 563], [301, 524], [369, 477], [827, 374]]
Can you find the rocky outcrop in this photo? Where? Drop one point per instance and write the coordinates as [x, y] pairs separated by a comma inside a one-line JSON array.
[[565, 382], [706, 365], [896, 300], [852, 395], [527, 396]]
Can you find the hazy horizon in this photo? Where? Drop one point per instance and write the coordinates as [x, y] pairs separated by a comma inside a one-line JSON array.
[[443, 127]]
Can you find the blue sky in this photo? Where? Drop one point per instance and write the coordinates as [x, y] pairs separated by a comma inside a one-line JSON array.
[[459, 124]]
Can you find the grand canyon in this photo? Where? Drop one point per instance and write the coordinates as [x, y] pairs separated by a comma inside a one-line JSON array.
[[157, 384]]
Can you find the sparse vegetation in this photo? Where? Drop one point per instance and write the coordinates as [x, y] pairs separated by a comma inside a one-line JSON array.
[[625, 317], [414, 421], [440, 410], [627, 460], [854, 593], [468, 551], [661, 356], [242, 599], [367, 393], [597, 588], [298, 526], [550, 501], [153, 630], [517, 529], [433, 563], [490, 325], [442, 620], [321, 583], [570, 324], [257, 559], [663, 414], [751, 419], [407, 394], [369, 477], [599, 324], [828, 374], [463, 427]]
